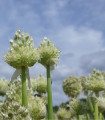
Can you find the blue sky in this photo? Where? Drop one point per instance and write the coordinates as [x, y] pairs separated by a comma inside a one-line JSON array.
[[76, 27]]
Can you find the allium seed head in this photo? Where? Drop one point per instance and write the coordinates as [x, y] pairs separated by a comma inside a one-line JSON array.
[[96, 81], [72, 86], [48, 52], [22, 51], [41, 84]]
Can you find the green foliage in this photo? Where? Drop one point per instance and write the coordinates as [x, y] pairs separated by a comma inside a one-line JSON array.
[[91, 86]]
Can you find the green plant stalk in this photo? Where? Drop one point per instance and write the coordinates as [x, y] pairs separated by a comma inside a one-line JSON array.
[[24, 88], [103, 118], [79, 117], [96, 110], [3, 99], [87, 117], [49, 92], [100, 116], [90, 104]]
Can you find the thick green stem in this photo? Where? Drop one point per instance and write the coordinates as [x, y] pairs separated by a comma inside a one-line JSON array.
[[103, 117], [96, 110], [100, 116], [87, 117], [24, 88], [49, 92], [2, 99], [90, 104], [79, 117]]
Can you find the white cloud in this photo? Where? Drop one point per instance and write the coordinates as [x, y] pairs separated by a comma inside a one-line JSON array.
[[80, 40]]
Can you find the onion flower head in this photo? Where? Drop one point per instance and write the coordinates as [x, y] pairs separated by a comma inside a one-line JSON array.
[[48, 52], [96, 81], [72, 86], [22, 51], [41, 84]]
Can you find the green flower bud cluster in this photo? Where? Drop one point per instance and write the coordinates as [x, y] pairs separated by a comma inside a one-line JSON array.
[[3, 86], [39, 84], [77, 107], [72, 86], [22, 52], [96, 81], [36, 105], [13, 111], [48, 52], [63, 114]]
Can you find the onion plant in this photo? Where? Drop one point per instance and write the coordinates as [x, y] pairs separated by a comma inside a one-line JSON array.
[[72, 87], [22, 55], [49, 57], [93, 87], [96, 84], [85, 89]]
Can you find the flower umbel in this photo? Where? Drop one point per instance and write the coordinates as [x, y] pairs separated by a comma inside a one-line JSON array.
[[72, 86], [22, 52], [96, 81], [48, 52]]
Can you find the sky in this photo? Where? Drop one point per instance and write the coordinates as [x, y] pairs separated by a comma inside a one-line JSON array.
[[76, 27]]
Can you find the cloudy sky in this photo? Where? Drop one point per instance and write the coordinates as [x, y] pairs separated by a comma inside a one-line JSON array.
[[76, 27]]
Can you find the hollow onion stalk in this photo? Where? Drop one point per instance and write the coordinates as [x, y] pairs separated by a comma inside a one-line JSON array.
[[24, 88], [49, 92]]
